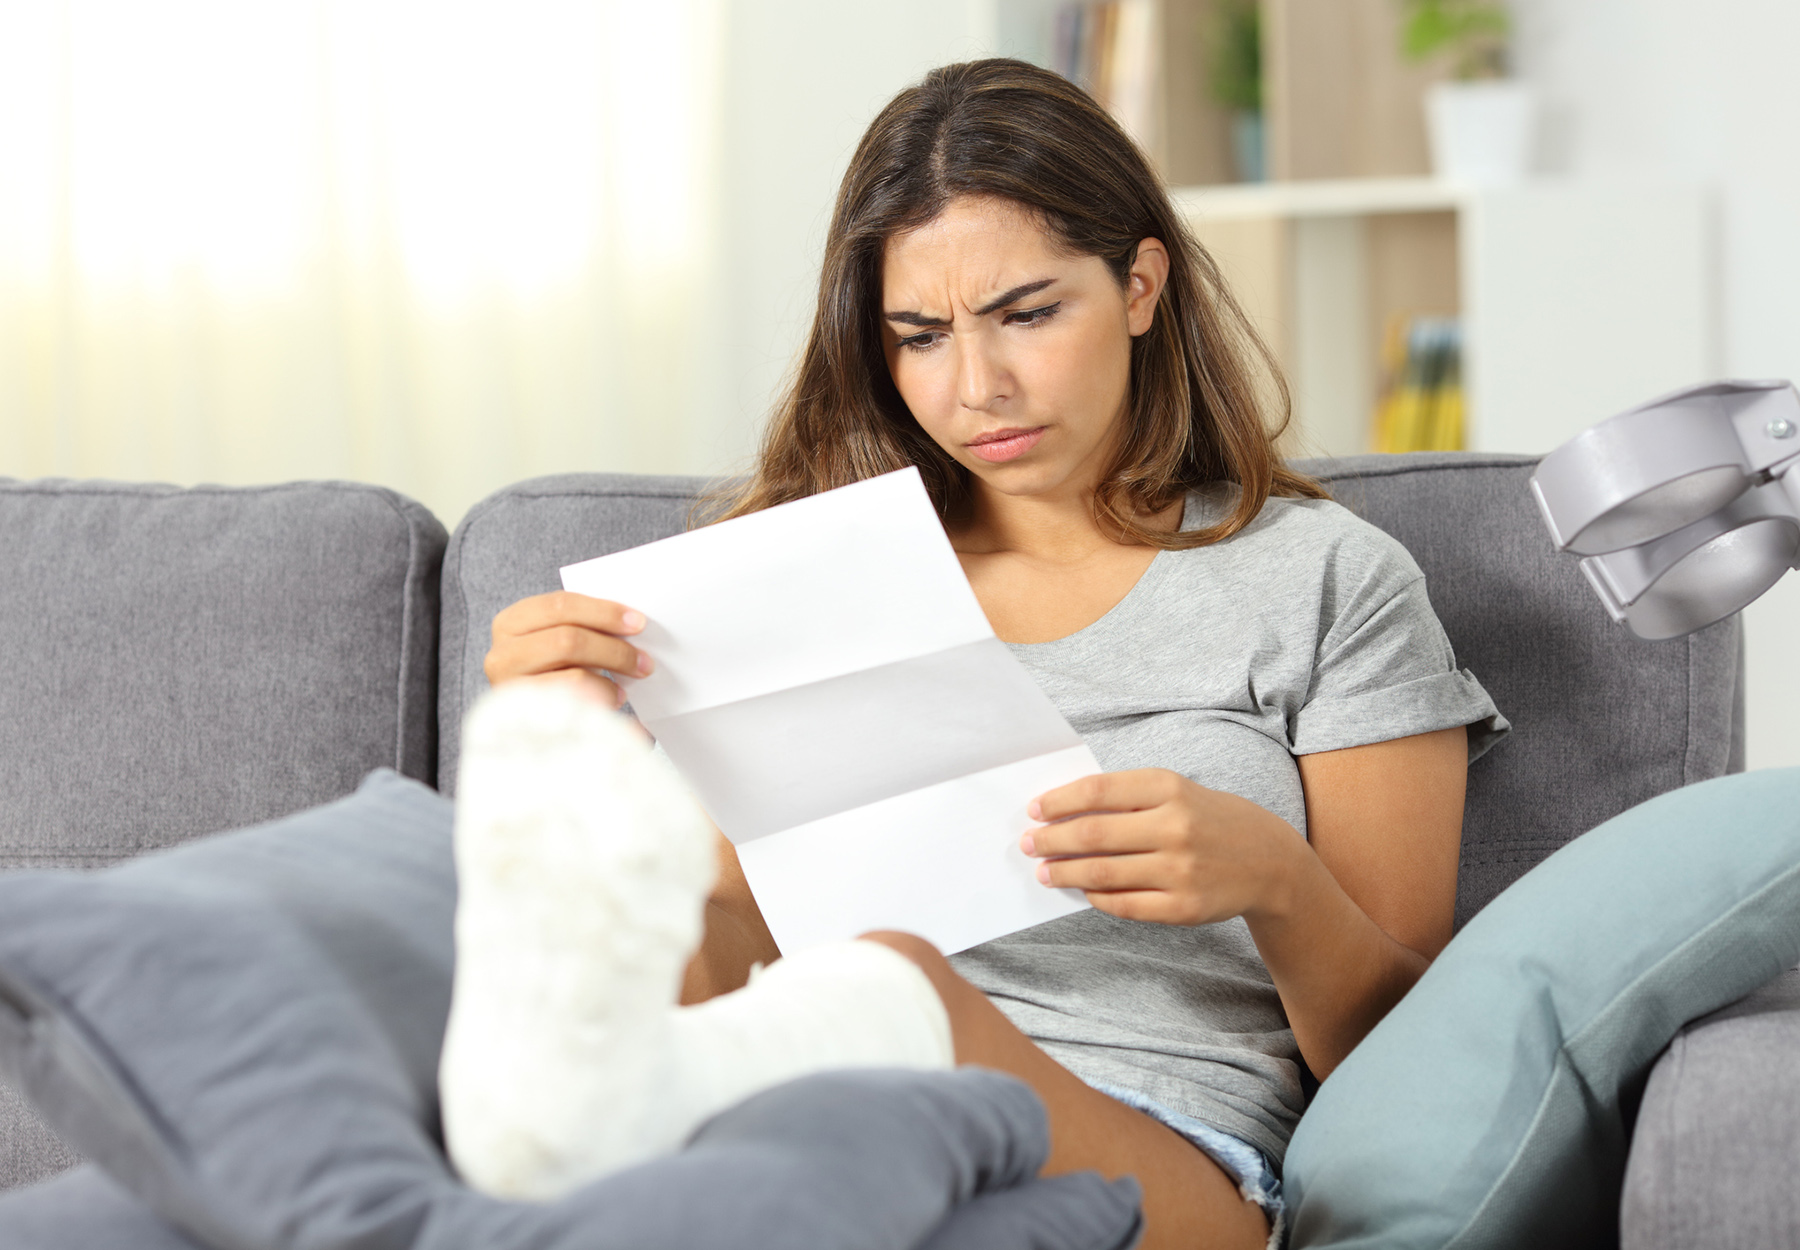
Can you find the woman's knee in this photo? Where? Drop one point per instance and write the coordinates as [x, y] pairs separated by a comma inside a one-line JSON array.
[[979, 1032], [911, 945], [929, 959]]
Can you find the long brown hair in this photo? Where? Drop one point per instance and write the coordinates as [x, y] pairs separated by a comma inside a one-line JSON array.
[[1009, 130]]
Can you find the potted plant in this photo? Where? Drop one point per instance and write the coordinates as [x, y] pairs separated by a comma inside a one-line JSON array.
[[1234, 80], [1480, 122]]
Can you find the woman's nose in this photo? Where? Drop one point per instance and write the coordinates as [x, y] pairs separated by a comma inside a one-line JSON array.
[[980, 380]]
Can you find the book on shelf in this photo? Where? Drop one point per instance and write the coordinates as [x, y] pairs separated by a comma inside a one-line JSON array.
[[1110, 50], [1421, 404]]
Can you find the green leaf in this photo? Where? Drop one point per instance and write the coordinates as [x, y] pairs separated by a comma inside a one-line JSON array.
[[1234, 77], [1473, 32]]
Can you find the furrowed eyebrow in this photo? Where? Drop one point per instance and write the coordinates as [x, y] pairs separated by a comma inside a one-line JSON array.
[[1017, 293], [912, 318]]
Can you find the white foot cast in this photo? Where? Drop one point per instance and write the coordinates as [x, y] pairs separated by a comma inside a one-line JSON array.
[[583, 866]]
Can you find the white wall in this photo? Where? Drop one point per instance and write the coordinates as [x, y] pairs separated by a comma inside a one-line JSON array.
[[1704, 91]]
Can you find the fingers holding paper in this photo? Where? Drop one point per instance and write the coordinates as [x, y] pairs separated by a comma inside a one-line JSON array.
[[564, 636], [1151, 845]]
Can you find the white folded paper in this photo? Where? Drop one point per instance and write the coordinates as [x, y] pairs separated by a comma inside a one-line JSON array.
[[829, 686]]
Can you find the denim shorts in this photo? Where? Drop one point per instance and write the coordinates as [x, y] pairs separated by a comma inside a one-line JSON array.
[[1244, 1163]]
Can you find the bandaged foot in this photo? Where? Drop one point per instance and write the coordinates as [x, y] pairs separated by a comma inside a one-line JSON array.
[[583, 866]]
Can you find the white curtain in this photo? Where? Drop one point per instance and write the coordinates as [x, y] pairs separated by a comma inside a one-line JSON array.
[[439, 246]]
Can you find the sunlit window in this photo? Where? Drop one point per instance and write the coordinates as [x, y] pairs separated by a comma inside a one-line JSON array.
[[337, 190]]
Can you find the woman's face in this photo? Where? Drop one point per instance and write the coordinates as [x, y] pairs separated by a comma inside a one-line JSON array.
[[1013, 356]]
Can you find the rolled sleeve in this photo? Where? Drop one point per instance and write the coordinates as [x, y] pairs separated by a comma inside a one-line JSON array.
[[1386, 670], [1422, 705]]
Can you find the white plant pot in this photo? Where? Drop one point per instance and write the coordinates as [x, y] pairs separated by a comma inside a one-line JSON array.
[[1482, 132]]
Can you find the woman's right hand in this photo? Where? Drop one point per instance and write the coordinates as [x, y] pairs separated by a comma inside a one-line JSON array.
[[564, 636]]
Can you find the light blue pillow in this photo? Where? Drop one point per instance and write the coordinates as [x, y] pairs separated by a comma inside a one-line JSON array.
[[1486, 1110]]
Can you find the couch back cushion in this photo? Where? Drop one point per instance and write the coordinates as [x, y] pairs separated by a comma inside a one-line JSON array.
[[185, 661], [514, 544], [1601, 720]]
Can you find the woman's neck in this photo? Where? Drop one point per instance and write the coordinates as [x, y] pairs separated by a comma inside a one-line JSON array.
[[1057, 529], [1044, 568]]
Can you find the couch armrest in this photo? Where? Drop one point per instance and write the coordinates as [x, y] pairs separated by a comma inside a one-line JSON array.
[[1717, 1143]]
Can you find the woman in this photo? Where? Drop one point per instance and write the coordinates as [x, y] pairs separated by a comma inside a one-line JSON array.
[[1009, 303]]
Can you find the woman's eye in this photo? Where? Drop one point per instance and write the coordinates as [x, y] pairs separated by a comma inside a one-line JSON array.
[[921, 342], [1033, 316]]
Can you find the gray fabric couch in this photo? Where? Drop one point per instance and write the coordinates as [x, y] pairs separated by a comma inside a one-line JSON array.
[[184, 661]]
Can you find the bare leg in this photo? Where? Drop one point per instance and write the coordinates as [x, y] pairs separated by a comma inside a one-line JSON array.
[[736, 937], [1189, 1201]]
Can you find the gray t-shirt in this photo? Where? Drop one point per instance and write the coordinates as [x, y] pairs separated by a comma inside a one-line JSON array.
[[1307, 631]]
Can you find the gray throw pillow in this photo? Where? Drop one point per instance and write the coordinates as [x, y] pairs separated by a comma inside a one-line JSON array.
[[82, 1209], [243, 1033]]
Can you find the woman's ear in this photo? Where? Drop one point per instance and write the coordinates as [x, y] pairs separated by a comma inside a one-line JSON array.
[[1144, 285]]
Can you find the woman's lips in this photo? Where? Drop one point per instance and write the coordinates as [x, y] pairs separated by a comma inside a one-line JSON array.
[[1002, 445]]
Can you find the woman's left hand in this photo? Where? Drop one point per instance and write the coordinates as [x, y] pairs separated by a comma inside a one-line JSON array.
[[1151, 845]]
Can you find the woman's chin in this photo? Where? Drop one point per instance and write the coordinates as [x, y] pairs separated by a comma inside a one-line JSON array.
[[1023, 478]]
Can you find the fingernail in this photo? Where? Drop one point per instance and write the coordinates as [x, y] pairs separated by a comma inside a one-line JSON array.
[[644, 665], [1033, 810], [632, 620], [619, 697], [1028, 844], [1043, 871]]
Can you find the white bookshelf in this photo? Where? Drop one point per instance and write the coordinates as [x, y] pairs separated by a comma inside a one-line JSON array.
[[1324, 197], [1577, 300]]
